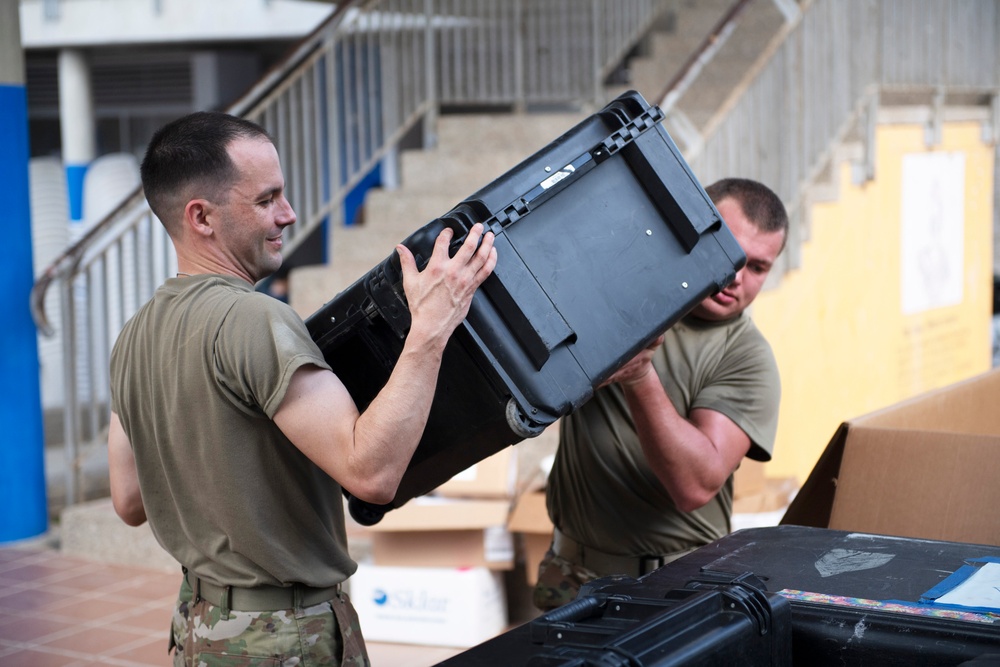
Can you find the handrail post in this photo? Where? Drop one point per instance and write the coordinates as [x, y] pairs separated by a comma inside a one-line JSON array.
[[870, 120], [520, 103], [71, 407], [597, 93], [430, 65], [994, 126], [333, 147]]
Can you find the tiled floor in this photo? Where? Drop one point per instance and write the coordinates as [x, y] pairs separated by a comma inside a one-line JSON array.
[[58, 611]]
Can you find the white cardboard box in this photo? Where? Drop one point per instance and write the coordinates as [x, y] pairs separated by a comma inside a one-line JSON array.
[[434, 606], [493, 477], [445, 532]]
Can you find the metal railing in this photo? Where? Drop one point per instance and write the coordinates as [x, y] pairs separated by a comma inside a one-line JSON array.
[[336, 106], [826, 74]]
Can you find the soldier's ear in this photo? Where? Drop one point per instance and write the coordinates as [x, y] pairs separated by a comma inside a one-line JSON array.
[[197, 217]]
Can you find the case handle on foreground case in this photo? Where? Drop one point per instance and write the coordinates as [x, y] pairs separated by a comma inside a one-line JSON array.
[[719, 618]]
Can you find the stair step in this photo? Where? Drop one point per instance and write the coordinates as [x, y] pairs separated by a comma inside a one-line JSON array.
[[700, 103], [674, 44], [309, 287], [405, 210], [670, 50], [370, 243], [475, 149], [93, 531], [732, 63], [522, 134], [695, 21], [456, 175], [650, 77]]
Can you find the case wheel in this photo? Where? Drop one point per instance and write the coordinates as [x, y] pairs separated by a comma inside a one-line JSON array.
[[519, 422], [365, 513]]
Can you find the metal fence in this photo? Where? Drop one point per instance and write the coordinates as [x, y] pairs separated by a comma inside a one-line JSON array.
[[351, 91]]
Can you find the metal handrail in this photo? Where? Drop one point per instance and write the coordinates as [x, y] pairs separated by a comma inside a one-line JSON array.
[[689, 71], [823, 77]]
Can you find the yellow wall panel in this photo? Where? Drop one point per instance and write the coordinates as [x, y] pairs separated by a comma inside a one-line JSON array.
[[843, 343]]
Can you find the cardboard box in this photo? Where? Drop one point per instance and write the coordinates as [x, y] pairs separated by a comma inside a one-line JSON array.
[[445, 532], [774, 495], [925, 468], [431, 606], [493, 477], [749, 479], [530, 520]]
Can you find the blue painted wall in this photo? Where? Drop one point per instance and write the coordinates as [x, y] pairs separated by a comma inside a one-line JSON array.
[[23, 509]]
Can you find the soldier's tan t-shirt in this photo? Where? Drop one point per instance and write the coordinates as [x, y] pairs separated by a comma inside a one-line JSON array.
[[601, 491], [196, 376]]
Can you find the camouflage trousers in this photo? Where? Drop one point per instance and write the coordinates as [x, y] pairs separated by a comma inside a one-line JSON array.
[[203, 636], [559, 581]]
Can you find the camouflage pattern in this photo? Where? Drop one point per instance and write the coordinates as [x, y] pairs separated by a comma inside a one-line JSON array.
[[559, 581], [204, 635]]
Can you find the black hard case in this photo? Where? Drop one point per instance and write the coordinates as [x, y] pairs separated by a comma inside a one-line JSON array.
[[605, 239], [715, 619], [852, 565], [823, 634]]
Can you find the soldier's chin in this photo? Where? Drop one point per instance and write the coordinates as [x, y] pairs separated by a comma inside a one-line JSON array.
[[713, 311]]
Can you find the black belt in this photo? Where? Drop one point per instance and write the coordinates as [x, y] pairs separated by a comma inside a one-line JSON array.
[[601, 562], [259, 598]]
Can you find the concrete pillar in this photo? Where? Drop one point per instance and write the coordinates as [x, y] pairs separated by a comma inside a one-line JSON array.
[[77, 124], [23, 511]]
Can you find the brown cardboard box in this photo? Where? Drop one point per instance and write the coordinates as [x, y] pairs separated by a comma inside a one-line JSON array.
[[749, 479], [493, 477], [928, 467], [530, 520], [440, 532], [773, 495]]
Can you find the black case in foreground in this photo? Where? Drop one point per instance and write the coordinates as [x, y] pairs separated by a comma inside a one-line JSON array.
[[605, 239], [716, 619], [833, 581]]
